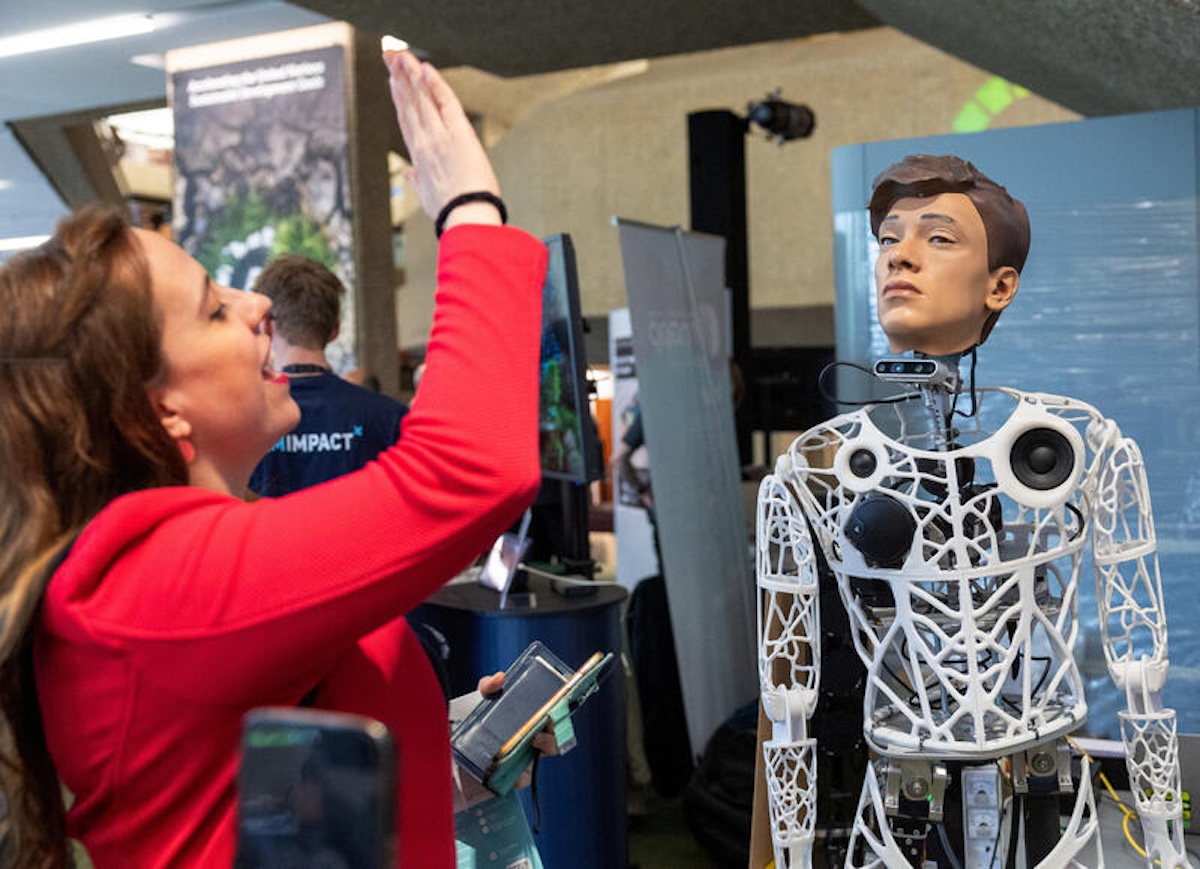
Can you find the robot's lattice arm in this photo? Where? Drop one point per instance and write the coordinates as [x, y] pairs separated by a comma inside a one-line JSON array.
[[1133, 629], [789, 662], [1133, 622]]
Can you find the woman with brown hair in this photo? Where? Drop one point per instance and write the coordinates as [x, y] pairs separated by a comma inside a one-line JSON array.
[[144, 607]]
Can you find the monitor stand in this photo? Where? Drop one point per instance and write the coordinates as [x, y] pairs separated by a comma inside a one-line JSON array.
[[519, 596]]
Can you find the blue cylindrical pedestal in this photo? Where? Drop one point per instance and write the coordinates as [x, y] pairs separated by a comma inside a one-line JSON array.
[[581, 796]]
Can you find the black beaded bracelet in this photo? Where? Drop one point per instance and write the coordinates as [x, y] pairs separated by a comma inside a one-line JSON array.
[[439, 225]]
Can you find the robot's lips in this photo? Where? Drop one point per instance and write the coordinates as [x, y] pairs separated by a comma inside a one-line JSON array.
[[899, 288]]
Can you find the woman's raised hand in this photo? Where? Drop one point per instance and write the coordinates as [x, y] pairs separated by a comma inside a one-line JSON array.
[[447, 157]]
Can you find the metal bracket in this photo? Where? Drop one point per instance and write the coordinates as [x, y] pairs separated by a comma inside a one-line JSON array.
[[917, 781], [891, 795], [937, 794], [1041, 763], [1020, 780], [1063, 758]]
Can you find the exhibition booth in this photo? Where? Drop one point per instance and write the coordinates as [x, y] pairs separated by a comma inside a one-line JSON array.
[[650, 541]]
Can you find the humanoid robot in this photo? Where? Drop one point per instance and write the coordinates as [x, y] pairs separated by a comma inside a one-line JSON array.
[[956, 545]]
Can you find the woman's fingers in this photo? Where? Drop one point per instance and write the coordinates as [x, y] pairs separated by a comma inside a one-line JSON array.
[[414, 107], [545, 742], [491, 684], [427, 110], [443, 96], [425, 98], [400, 85], [446, 155]]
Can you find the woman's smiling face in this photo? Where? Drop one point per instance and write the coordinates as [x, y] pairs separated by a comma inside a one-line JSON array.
[[217, 389]]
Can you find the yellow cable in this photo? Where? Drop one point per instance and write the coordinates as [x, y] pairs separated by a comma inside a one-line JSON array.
[[1128, 813]]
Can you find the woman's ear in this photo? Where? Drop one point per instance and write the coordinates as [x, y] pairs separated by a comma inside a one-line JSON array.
[[1002, 289], [172, 420]]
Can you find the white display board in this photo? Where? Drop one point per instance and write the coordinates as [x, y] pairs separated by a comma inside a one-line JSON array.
[[676, 289]]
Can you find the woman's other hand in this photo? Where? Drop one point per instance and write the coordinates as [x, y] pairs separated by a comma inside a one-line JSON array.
[[544, 741], [447, 157]]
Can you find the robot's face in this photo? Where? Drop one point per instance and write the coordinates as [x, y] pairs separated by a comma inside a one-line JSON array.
[[932, 283]]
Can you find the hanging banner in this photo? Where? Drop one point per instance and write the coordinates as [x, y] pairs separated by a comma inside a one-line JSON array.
[[633, 497], [262, 168], [676, 288]]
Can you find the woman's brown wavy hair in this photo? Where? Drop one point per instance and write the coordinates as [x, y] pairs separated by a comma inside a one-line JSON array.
[[79, 344]]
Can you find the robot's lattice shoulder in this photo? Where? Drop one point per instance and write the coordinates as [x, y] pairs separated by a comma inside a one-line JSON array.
[[878, 463]]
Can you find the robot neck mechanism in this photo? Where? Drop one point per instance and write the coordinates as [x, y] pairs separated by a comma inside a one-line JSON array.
[[937, 380]]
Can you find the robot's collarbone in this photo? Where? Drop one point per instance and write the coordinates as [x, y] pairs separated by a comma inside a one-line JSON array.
[[893, 501]]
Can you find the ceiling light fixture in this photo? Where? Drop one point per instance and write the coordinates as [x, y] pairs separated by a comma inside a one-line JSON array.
[[7, 245], [150, 61], [79, 33], [151, 128]]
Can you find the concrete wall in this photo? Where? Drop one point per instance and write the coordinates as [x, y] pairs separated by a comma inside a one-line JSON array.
[[574, 149]]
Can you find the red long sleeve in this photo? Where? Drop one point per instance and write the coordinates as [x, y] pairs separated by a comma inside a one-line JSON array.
[[180, 609]]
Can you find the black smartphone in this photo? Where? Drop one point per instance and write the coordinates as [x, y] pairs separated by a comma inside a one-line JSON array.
[[532, 679], [317, 791]]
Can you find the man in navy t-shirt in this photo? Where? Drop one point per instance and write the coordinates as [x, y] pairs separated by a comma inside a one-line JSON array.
[[342, 426]]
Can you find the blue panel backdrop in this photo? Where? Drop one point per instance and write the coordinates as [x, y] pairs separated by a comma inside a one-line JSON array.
[[1107, 312]]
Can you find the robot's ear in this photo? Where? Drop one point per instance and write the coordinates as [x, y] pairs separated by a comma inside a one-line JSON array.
[[1002, 286]]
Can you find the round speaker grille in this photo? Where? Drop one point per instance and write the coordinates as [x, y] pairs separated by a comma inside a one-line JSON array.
[[1042, 459]]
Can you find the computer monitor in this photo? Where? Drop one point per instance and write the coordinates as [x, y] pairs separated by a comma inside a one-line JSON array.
[[555, 529], [569, 444], [567, 438]]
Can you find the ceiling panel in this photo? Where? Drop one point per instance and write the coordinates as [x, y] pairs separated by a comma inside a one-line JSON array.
[[519, 37], [1096, 57], [1093, 56]]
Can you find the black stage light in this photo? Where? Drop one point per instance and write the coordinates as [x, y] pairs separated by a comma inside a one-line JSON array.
[[782, 120]]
